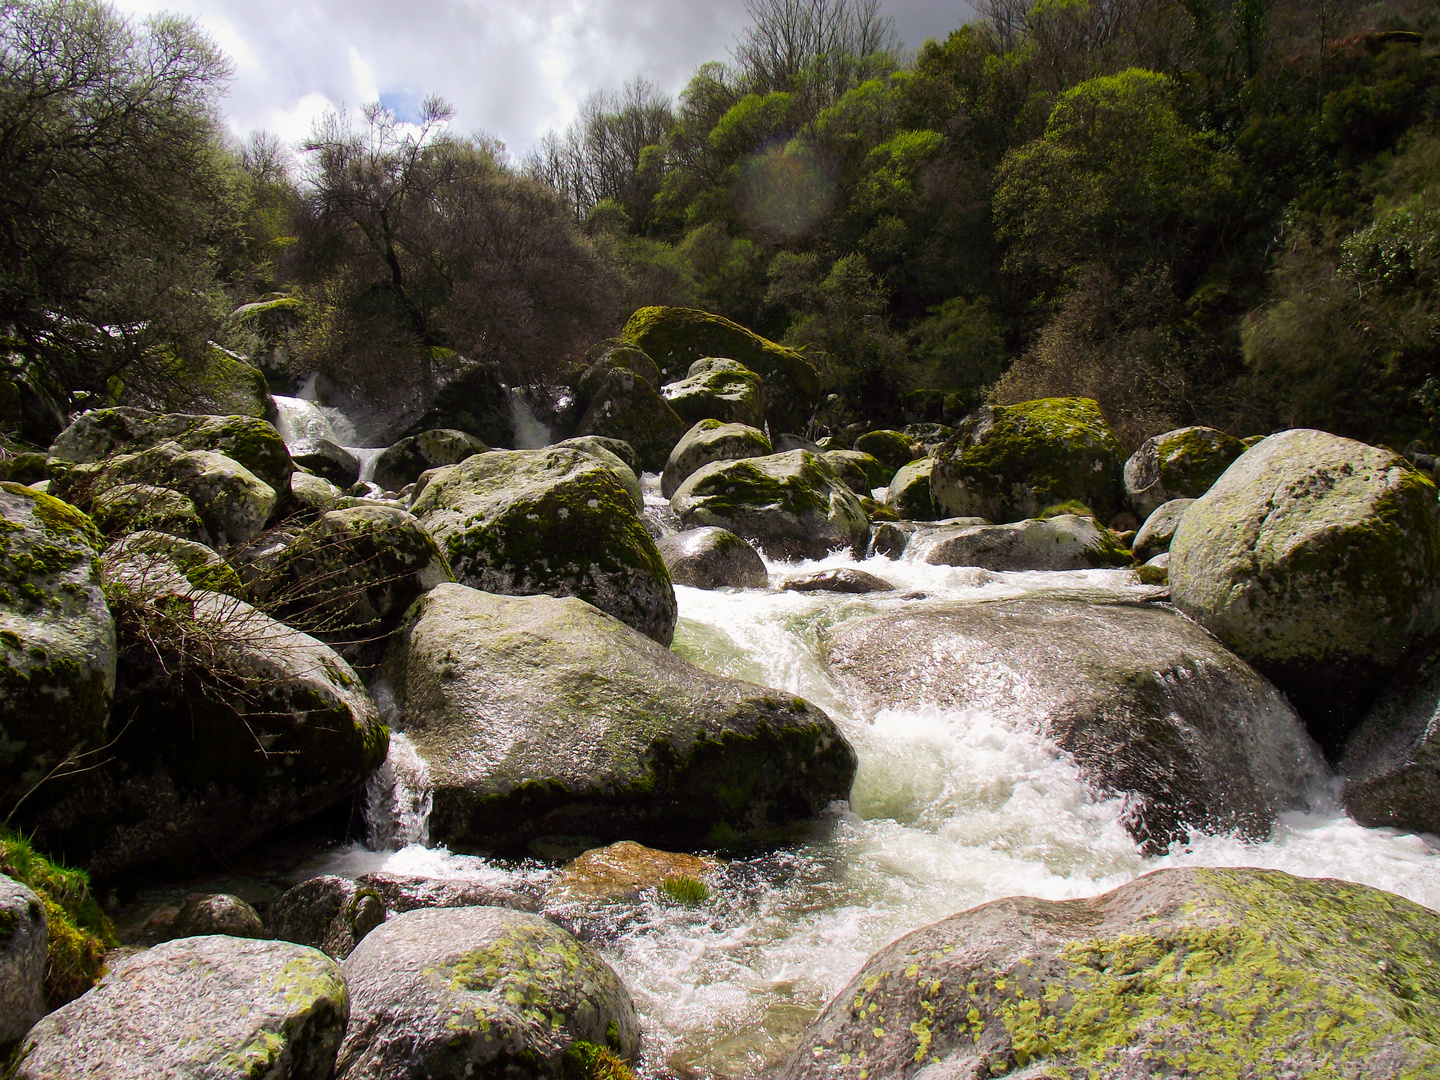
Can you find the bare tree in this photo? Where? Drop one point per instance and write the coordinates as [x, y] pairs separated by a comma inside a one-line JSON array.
[[788, 38]]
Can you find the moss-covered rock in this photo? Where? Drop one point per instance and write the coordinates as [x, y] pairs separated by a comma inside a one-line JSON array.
[[127, 508], [455, 993], [219, 383], [1062, 542], [476, 401], [1159, 529], [625, 406], [930, 436], [893, 449], [328, 459], [711, 558], [314, 494], [676, 337], [218, 1006], [57, 639], [707, 441], [718, 389], [862, 472], [1196, 972], [538, 716], [552, 521], [1317, 559], [924, 406], [792, 505], [151, 559], [910, 495], [1180, 464], [24, 468], [1012, 461], [328, 913], [22, 960], [403, 462], [604, 357], [625, 871], [600, 450], [202, 914]]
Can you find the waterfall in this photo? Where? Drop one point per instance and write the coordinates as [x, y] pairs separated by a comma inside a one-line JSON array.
[[529, 433], [398, 799]]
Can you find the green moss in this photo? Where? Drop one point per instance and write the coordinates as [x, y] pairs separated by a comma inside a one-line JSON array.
[[684, 890], [1069, 507], [586, 1061], [59, 518], [894, 449], [1193, 459]]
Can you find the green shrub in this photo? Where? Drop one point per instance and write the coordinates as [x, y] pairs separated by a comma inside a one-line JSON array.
[[684, 890]]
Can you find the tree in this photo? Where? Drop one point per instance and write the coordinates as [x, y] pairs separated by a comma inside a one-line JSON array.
[[788, 39]]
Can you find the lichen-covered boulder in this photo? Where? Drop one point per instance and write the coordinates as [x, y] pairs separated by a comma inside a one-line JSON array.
[[1194, 972], [203, 914], [625, 871], [792, 504], [707, 441], [1180, 464], [625, 406], [150, 559], [604, 357], [596, 447], [909, 495], [893, 449], [1063, 542], [1149, 705], [218, 1007], [861, 471], [57, 638], [538, 716], [403, 462], [718, 389], [23, 940], [712, 558], [127, 508], [314, 493], [218, 382], [549, 521], [1159, 529], [328, 913], [102, 433], [1012, 462], [677, 337], [328, 459], [454, 993], [1317, 559]]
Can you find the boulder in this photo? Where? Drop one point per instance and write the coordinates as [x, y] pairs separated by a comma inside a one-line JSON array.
[[219, 382], [707, 441], [327, 459], [539, 717], [604, 357], [404, 892], [1011, 462], [403, 462], [549, 521], [619, 447], [1180, 464], [718, 389], [1063, 542], [127, 508], [57, 638], [596, 447], [23, 940], [452, 993], [677, 337], [1391, 764], [844, 579], [473, 399], [217, 1007], [1159, 529], [625, 872], [929, 436], [893, 449], [627, 407], [148, 559], [203, 914], [328, 913], [1149, 705], [712, 558], [1193, 972], [314, 493], [1317, 559], [910, 495], [24, 468], [861, 471], [792, 505]]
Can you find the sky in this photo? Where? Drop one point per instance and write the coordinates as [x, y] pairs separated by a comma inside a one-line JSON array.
[[511, 69]]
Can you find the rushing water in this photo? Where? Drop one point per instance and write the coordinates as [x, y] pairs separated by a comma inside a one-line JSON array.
[[949, 809]]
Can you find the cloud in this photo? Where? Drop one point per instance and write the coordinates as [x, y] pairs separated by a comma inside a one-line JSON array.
[[513, 70]]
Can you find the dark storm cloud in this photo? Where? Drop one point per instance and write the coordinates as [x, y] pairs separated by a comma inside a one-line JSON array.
[[511, 69]]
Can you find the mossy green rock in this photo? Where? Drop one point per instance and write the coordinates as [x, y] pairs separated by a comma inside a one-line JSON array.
[[128, 508], [711, 558], [910, 495], [1012, 461], [314, 494], [538, 716], [1240, 973], [604, 357], [328, 913], [677, 337], [57, 639], [1159, 529], [403, 462], [893, 449], [552, 521], [455, 993], [627, 407], [861, 471], [475, 401], [102, 433], [707, 441], [791, 505], [1317, 559], [24, 468], [149, 558], [1180, 464], [597, 448], [220, 383], [219, 1007], [1062, 542], [1150, 707], [718, 389]]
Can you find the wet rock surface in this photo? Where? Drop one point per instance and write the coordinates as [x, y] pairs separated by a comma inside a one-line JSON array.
[[712, 558]]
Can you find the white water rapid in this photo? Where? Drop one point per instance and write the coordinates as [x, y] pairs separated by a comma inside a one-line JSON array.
[[949, 809]]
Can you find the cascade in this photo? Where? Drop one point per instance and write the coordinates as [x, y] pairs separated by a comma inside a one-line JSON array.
[[529, 432]]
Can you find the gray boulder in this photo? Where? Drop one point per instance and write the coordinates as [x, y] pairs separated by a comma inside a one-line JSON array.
[[328, 459], [551, 521], [1317, 559], [910, 495], [203, 914], [1194, 973], [596, 447], [314, 493], [127, 508], [539, 716], [844, 579], [1180, 464], [1148, 704], [605, 356], [23, 939], [792, 505], [1159, 529], [707, 441], [619, 447], [626, 406], [718, 389], [328, 913], [452, 993], [148, 560], [217, 1007], [403, 462], [712, 558], [406, 892], [1063, 542], [861, 471]]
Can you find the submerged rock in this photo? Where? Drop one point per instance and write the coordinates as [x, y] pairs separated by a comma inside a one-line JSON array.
[[404, 461], [1317, 559], [1180, 464], [1159, 529], [221, 1007], [718, 389], [1063, 542], [1194, 972], [844, 579], [625, 872], [707, 441], [538, 717], [552, 521], [451, 993], [1148, 704], [712, 558]]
